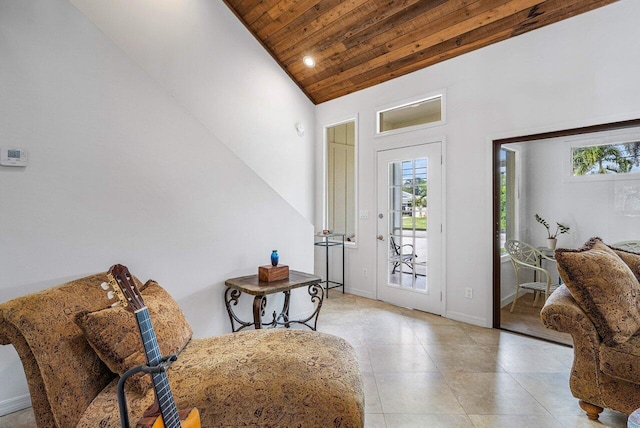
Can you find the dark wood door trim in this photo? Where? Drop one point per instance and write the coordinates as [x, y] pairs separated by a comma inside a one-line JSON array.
[[496, 145]]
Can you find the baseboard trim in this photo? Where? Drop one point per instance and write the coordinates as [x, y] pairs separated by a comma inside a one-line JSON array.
[[457, 316], [359, 292], [14, 404], [509, 299]]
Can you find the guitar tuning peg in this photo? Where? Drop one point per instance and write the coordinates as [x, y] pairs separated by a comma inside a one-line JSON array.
[[104, 286], [110, 295], [113, 305]]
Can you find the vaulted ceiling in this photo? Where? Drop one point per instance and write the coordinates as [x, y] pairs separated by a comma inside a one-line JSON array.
[[360, 43]]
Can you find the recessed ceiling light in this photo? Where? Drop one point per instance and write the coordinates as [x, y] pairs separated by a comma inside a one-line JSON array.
[[308, 61]]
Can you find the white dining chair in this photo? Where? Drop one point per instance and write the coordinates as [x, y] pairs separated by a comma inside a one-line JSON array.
[[525, 257]]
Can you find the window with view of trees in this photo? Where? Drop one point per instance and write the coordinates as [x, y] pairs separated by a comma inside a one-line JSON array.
[[414, 194], [613, 158], [507, 196]]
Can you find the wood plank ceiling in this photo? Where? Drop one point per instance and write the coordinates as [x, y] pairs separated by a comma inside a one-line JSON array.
[[360, 43]]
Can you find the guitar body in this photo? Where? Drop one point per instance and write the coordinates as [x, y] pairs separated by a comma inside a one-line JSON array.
[[163, 413], [189, 418]]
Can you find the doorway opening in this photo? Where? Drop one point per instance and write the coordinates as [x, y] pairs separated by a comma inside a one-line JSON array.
[[539, 181]]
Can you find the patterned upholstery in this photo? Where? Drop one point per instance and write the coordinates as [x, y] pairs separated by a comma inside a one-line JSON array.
[[601, 376], [265, 378], [255, 378], [622, 361], [605, 287], [113, 333]]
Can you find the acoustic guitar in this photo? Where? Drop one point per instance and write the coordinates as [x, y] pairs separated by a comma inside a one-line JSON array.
[[164, 413]]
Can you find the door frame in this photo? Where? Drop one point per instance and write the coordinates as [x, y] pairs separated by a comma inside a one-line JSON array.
[[400, 141], [496, 145]]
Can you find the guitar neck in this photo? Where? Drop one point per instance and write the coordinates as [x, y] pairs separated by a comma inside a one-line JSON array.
[[161, 386]]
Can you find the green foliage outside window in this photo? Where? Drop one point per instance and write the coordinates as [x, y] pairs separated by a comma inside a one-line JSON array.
[[503, 201], [619, 158]]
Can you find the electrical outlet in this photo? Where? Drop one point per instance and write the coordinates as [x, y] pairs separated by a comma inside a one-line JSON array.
[[468, 293], [364, 272]]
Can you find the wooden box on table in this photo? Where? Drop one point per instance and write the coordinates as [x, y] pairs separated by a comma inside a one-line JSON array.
[[273, 273]]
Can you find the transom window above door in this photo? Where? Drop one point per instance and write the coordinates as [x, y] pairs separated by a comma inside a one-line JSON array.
[[411, 115]]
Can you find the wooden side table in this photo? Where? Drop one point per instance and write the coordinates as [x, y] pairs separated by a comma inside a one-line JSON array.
[[251, 285]]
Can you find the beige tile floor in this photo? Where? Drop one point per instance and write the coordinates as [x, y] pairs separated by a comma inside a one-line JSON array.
[[421, 370]]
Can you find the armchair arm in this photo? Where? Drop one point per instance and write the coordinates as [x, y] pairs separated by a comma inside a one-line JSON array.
[[10, 335], [518, 264], [562, 313], [4, 339], [551, 259]]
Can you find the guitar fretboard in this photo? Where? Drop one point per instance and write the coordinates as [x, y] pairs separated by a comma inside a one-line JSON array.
[[168, 407]]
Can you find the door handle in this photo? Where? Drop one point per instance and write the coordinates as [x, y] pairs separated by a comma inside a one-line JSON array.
[[380, 238]]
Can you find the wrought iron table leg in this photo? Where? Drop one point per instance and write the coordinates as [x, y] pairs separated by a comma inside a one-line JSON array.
[[259, 304], [316, 291], [326, 256], [285, 308], [231, 297], [317, 296]]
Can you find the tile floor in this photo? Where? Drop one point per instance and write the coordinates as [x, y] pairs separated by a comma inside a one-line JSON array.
[[421, 370]]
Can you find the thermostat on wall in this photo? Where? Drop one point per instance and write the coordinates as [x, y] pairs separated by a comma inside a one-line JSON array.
[[13, 157]]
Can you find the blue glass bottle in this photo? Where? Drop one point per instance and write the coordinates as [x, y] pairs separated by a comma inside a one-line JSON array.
[[274, 258]]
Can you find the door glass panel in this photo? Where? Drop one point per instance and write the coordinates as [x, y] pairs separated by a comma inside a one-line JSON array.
[[407, 214]]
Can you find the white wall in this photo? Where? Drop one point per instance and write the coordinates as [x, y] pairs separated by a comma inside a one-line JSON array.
[[122, 171], [201, 54], [589, 205], [586, 204], [569, 74]]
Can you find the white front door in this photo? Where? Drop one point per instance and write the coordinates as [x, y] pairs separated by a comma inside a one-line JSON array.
[[409, 265]]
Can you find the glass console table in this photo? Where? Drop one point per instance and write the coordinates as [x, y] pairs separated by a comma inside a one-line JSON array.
[[326, 241]]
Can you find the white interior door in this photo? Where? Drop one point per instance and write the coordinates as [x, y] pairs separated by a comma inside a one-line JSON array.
[[409, 261]]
